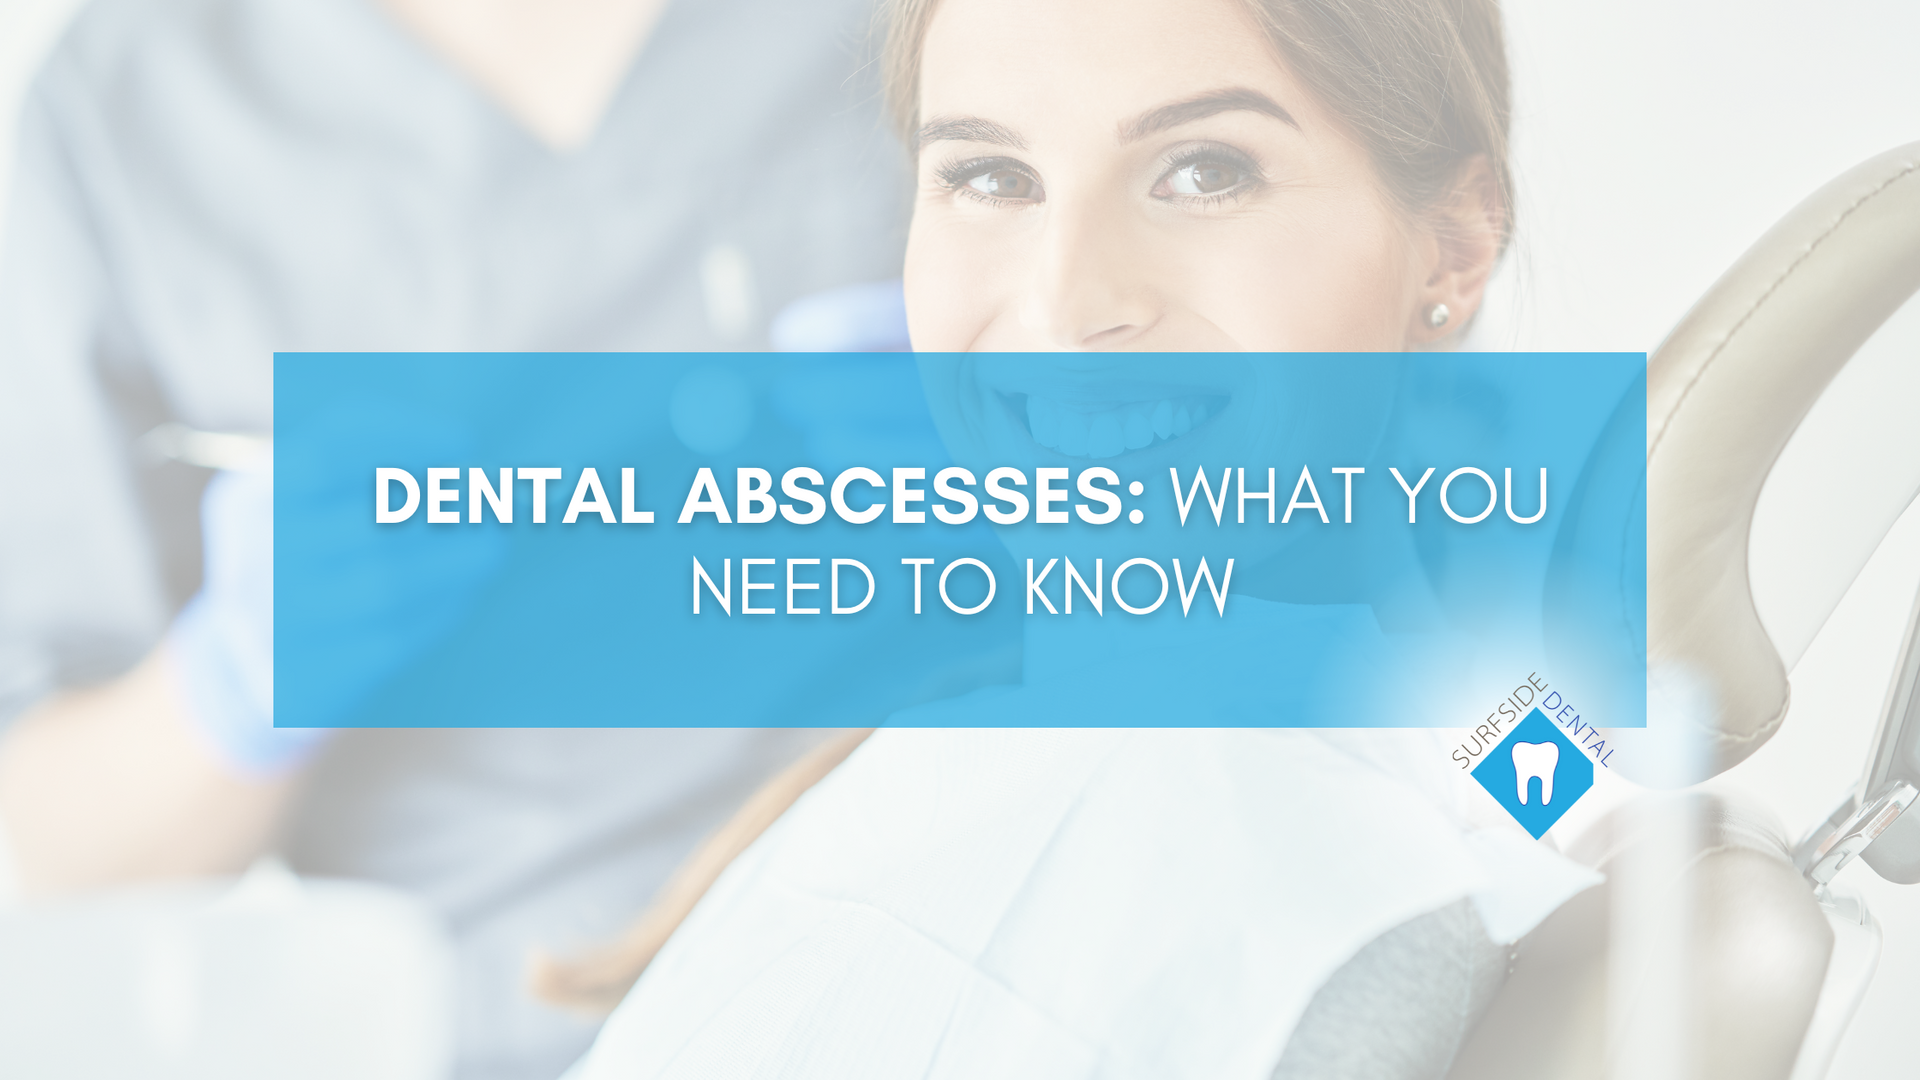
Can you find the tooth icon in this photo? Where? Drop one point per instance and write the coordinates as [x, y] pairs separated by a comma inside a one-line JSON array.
[[1531, 759]]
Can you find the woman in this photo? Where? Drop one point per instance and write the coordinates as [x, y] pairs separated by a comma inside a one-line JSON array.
[[1126, 175]]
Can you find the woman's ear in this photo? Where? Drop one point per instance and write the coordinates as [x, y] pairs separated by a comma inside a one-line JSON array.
[[1460, 249]]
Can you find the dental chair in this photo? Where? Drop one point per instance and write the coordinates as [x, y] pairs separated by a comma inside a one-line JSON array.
[[1716, 949]]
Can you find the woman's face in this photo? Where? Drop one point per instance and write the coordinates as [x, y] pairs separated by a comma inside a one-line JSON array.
[[1143, 190], [1140, 175]]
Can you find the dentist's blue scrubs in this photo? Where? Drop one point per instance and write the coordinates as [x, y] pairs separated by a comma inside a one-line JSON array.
[[202, 182]]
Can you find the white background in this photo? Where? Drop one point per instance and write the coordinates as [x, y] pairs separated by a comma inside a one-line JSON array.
[[1654, 141]]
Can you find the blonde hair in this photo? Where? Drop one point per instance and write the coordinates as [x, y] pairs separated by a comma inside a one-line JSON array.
[[1422, 84]]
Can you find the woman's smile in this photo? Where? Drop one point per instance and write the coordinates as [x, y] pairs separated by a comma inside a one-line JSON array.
[[1101, 406], [1112, 424]]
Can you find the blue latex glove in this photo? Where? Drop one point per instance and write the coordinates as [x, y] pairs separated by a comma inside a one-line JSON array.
[[222, 643], [871, 317], [376, 600]]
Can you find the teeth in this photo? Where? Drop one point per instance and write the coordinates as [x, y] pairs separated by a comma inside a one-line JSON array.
[[1043, 419], [1103, 436], [1536, 759], [1073, 433], [1077, 430]]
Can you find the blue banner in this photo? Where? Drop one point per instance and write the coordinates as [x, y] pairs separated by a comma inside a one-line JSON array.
[[1313, 540]]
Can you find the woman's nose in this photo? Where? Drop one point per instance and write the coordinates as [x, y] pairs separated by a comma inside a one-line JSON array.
[[1088, 288]]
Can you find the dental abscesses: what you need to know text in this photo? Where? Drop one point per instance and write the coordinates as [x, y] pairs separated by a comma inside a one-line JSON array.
[[1007, 496]]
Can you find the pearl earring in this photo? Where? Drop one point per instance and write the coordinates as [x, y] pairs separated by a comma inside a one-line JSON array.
[[1438, 315]]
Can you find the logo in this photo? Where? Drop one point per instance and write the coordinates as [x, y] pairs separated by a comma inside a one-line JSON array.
[[1536, 773]]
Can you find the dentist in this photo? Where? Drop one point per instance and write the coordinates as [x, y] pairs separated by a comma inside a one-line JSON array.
[[203, 182]]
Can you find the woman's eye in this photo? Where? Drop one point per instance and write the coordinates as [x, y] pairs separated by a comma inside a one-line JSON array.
[[1007, 184], [1207, 178]]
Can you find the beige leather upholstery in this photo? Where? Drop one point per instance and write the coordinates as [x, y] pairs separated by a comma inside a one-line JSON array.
[[1724, 393], [1701, 957]]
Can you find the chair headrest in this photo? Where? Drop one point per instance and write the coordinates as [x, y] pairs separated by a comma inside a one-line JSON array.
[[1725, 392]]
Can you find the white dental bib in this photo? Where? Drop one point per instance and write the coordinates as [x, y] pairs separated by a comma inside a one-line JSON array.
[[1059, 903]]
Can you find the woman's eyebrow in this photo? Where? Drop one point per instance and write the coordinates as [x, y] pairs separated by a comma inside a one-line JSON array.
[[1234, 99], [967, 129]]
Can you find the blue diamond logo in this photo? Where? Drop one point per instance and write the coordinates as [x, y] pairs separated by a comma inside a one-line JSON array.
[[1536, 773]]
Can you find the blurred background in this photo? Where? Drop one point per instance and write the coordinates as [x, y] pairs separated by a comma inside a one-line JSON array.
[[27, 30], [1654, 141]]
